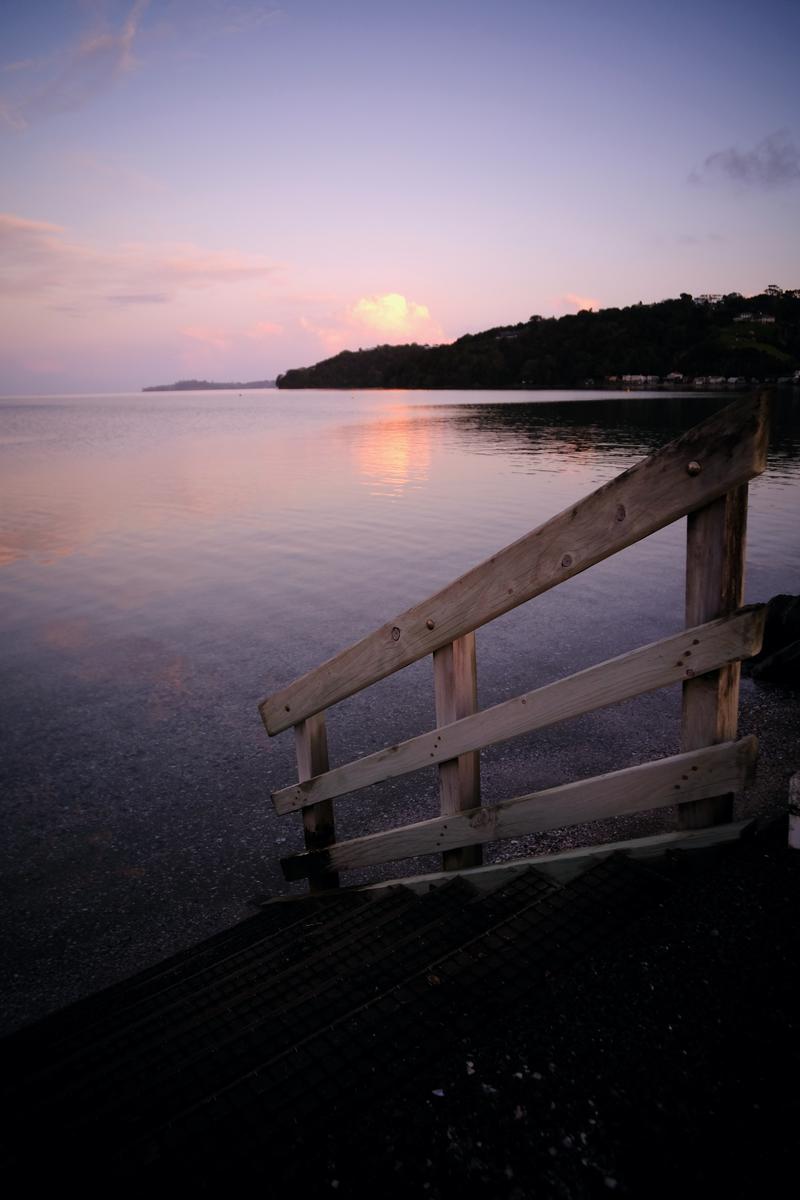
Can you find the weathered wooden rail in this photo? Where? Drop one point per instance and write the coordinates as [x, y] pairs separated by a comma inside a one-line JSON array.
[[702, 475]]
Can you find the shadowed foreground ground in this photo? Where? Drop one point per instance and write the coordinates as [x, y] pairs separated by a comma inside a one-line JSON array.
[[633, 1032]]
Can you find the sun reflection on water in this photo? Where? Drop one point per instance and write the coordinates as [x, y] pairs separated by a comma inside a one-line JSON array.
[[393, 455]]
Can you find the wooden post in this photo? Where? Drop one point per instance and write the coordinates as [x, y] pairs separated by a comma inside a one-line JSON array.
[[455, 680], [311, 744], [715, 556]]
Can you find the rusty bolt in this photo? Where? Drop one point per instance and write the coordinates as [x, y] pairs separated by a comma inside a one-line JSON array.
[[395, 634], [694, 467], [566, 560], [689, 673], [430, 623], [621, 514]]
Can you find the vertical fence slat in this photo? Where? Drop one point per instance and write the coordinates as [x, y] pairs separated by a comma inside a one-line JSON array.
[[715, 558], [311, 745], [455, 679]]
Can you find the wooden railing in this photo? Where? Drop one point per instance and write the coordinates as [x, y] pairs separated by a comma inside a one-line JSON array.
[[704, 475]]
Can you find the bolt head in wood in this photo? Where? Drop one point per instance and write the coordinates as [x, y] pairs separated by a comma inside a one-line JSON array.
[[566, 561], [395, 634], [431, 624], [694, 467]]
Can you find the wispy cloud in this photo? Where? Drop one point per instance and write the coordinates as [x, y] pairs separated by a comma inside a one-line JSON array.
[[189, 266], [774, 162], [38, 258], [264, 329], [216, 339], [22, 64], [245, 18], [74, 76], [692, 239], [191, 29], [206, 345], [139, 298], [112, 173], [11, 225], [334, 337]]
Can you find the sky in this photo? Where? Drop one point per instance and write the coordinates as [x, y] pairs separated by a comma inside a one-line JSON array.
[[219, 190]]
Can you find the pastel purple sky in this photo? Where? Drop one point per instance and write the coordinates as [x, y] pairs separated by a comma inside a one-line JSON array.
[[226, 190]]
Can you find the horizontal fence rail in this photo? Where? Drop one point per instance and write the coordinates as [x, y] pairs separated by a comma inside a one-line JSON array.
[[710, 460], [686, 655], [697, 775], [703, 475]]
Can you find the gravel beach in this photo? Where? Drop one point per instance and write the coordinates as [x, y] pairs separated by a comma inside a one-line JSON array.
[[42, 974]]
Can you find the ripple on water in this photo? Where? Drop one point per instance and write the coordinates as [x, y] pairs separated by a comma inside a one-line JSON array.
[[166, 561]]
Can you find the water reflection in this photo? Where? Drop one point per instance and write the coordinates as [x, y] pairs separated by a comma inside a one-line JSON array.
[[614, 425], [144, 492], [166, 561], [392, 454]]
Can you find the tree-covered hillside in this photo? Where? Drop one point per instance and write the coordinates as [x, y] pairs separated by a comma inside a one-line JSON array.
[[754, 338]]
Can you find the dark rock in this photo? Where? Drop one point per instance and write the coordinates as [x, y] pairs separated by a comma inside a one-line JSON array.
[[779, 658]]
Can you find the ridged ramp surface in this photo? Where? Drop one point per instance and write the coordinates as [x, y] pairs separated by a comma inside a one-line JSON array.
[[226, 1057]]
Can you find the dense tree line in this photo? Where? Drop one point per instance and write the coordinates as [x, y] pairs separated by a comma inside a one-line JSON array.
[[683, 335]]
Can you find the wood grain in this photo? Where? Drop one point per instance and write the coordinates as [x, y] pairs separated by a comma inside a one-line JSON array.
[[668, 661], [715, 561], [311, 747], [712, 771], [455, 678]]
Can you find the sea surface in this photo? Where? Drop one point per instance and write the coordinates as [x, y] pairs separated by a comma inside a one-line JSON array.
[[166, 560]]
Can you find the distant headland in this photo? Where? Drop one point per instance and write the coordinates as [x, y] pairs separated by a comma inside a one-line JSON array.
[[205, 385], [707, 341]]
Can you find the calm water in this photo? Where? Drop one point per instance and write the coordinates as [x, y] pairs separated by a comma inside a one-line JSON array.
[[167, 560]]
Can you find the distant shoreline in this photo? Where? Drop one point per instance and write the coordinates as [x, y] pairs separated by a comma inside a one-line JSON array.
[[205, 385], [688, 387]]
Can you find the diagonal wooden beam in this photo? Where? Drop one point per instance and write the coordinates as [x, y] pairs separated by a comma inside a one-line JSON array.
[[721, 453]]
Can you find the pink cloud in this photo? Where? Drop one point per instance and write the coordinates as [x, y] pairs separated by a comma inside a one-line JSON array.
[[571, 300], [40, 258], [11, 225], [390, 313], [217, 339], [224, 339], [199, 268], [264, 329], [386, 317], [333, 337]]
